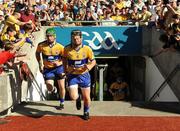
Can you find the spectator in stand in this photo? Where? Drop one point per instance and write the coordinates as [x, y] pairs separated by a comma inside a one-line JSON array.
[[171, 38], [12, 36], [52, 5], [79, 17], [6, 3], [57, 15], [26, 32], [152, 8], [144, 17], [124, 16], [172, 10], [94, 13], [159, 21], [14, 22], [31, 2], [42, 5], [67, 20], [99, 14], [117, 17], [28, 15], [19, 5], [128, 3], [139, 4], [63, 5], [160, 6], [7, 56], [43, 17], [134, 16], [120, 4], [107, 20], [89, 17], [9, 10], [174, 32]]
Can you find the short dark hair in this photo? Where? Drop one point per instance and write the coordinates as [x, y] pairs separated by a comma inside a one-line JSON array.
[[8, 45], [27, 26], [11, 29], [76, 33]]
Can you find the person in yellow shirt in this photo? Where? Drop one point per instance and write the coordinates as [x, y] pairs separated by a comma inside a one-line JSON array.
[[119, 89], [117, 16], [12, 21], [120, 4], [144, 17], [78, 61], [51, 65], [12, 37], [26, 32]]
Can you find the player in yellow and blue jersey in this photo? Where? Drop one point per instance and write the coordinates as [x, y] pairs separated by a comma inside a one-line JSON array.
[[52, 67], [78, 61]]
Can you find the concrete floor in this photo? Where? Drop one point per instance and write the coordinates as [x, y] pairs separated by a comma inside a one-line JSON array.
[[104, 108]]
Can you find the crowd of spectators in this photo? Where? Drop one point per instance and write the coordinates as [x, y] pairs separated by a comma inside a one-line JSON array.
[[102, 12]]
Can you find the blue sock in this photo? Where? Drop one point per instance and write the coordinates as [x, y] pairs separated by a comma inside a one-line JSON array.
[[86, 108], [61, 100]]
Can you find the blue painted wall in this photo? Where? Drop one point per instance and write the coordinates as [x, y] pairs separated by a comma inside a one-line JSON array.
[[106, 41]]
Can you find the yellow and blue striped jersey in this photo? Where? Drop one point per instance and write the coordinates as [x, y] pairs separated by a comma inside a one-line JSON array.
[[78, 58], [52, 56]]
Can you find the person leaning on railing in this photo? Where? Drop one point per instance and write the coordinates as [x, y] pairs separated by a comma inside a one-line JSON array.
[[7, 57], [14, 22]]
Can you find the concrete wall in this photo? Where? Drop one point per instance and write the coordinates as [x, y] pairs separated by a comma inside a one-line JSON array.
[[5, 90], [165, 63], [153, 81], [31, 94]]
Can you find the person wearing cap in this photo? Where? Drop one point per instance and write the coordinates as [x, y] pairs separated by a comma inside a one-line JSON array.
[[51, 65], [78, 61]]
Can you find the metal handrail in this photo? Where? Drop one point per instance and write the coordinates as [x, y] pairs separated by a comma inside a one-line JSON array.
[[82, 21], [162, 86]]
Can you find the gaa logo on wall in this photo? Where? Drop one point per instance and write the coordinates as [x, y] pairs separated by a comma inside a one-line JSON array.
[[107, 42]]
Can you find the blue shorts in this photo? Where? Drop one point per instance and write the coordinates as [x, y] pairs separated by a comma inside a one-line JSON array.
[[53, 73], [83, 80]]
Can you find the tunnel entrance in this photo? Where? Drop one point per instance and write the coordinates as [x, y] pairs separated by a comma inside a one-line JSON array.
[[130, 69]]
